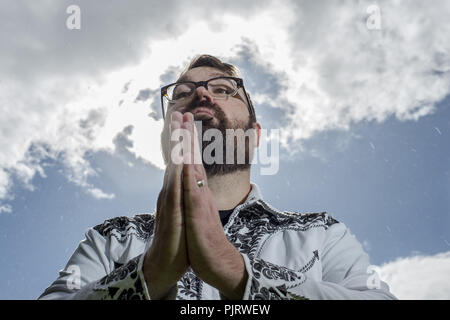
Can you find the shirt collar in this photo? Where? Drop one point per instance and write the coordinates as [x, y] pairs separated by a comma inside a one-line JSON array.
[[254, 195]]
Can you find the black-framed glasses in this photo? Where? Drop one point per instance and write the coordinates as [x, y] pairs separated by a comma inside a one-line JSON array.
[[221, 87]]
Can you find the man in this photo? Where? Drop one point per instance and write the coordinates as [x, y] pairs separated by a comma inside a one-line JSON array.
[[212, 236]]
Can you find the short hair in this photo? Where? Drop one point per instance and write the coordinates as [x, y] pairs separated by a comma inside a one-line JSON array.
[[206, 60]]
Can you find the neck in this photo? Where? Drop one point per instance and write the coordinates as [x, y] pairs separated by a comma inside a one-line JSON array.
[[230, 190]]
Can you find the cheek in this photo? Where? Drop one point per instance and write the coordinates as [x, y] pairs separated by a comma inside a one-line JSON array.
[[237, 112]]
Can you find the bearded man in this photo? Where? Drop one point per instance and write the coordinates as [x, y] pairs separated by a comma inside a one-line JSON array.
[[212, 235]]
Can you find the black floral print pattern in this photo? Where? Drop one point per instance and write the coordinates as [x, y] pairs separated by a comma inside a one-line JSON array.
[[111, 287], [189, 286], [120, 227], [264, 271], [258, 221], [247, 230]]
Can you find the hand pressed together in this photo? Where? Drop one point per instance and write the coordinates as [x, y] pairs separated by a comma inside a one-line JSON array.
[[188, 230]]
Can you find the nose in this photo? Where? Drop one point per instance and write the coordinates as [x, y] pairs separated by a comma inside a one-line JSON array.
[[204, 94]]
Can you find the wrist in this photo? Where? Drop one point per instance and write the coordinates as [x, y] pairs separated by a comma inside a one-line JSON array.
[[229, 276], [160, 282]]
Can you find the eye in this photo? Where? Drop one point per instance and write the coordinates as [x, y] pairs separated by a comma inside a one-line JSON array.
[[180, 95], [222, 90], [181, 91]]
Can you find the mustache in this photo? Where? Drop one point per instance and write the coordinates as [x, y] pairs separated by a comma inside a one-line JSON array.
[[204, 104]]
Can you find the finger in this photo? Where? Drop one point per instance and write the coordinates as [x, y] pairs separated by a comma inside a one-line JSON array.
[[175, 167], [175, 134], [194, 148], [191, 190], [187, 137], [198, 159], [188, 117], [187, 166], [190, 175]]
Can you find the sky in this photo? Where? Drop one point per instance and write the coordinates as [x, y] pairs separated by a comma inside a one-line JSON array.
[[359, 91]]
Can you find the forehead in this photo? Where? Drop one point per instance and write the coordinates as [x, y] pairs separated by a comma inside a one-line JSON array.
[[201, 73]]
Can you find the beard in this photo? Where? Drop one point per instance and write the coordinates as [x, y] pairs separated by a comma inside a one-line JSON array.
[[240, 152]]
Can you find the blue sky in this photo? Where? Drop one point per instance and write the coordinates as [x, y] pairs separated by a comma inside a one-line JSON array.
[[394, 198], [365, 130]]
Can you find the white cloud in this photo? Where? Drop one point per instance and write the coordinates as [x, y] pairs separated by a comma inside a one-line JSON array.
[[63, 96], [340, 72], [99, 194], [419, 277], [5, 209]]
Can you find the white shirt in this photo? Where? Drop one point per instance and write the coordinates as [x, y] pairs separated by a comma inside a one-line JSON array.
[[287, 256]]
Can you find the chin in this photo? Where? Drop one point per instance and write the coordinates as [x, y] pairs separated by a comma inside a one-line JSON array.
[[208, 121]]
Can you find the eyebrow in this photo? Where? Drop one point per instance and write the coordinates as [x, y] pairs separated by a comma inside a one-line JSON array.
[[186, 78]]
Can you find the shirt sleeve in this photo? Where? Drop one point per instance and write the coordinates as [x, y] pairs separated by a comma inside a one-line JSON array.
[[345, 274], [87, 275]]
